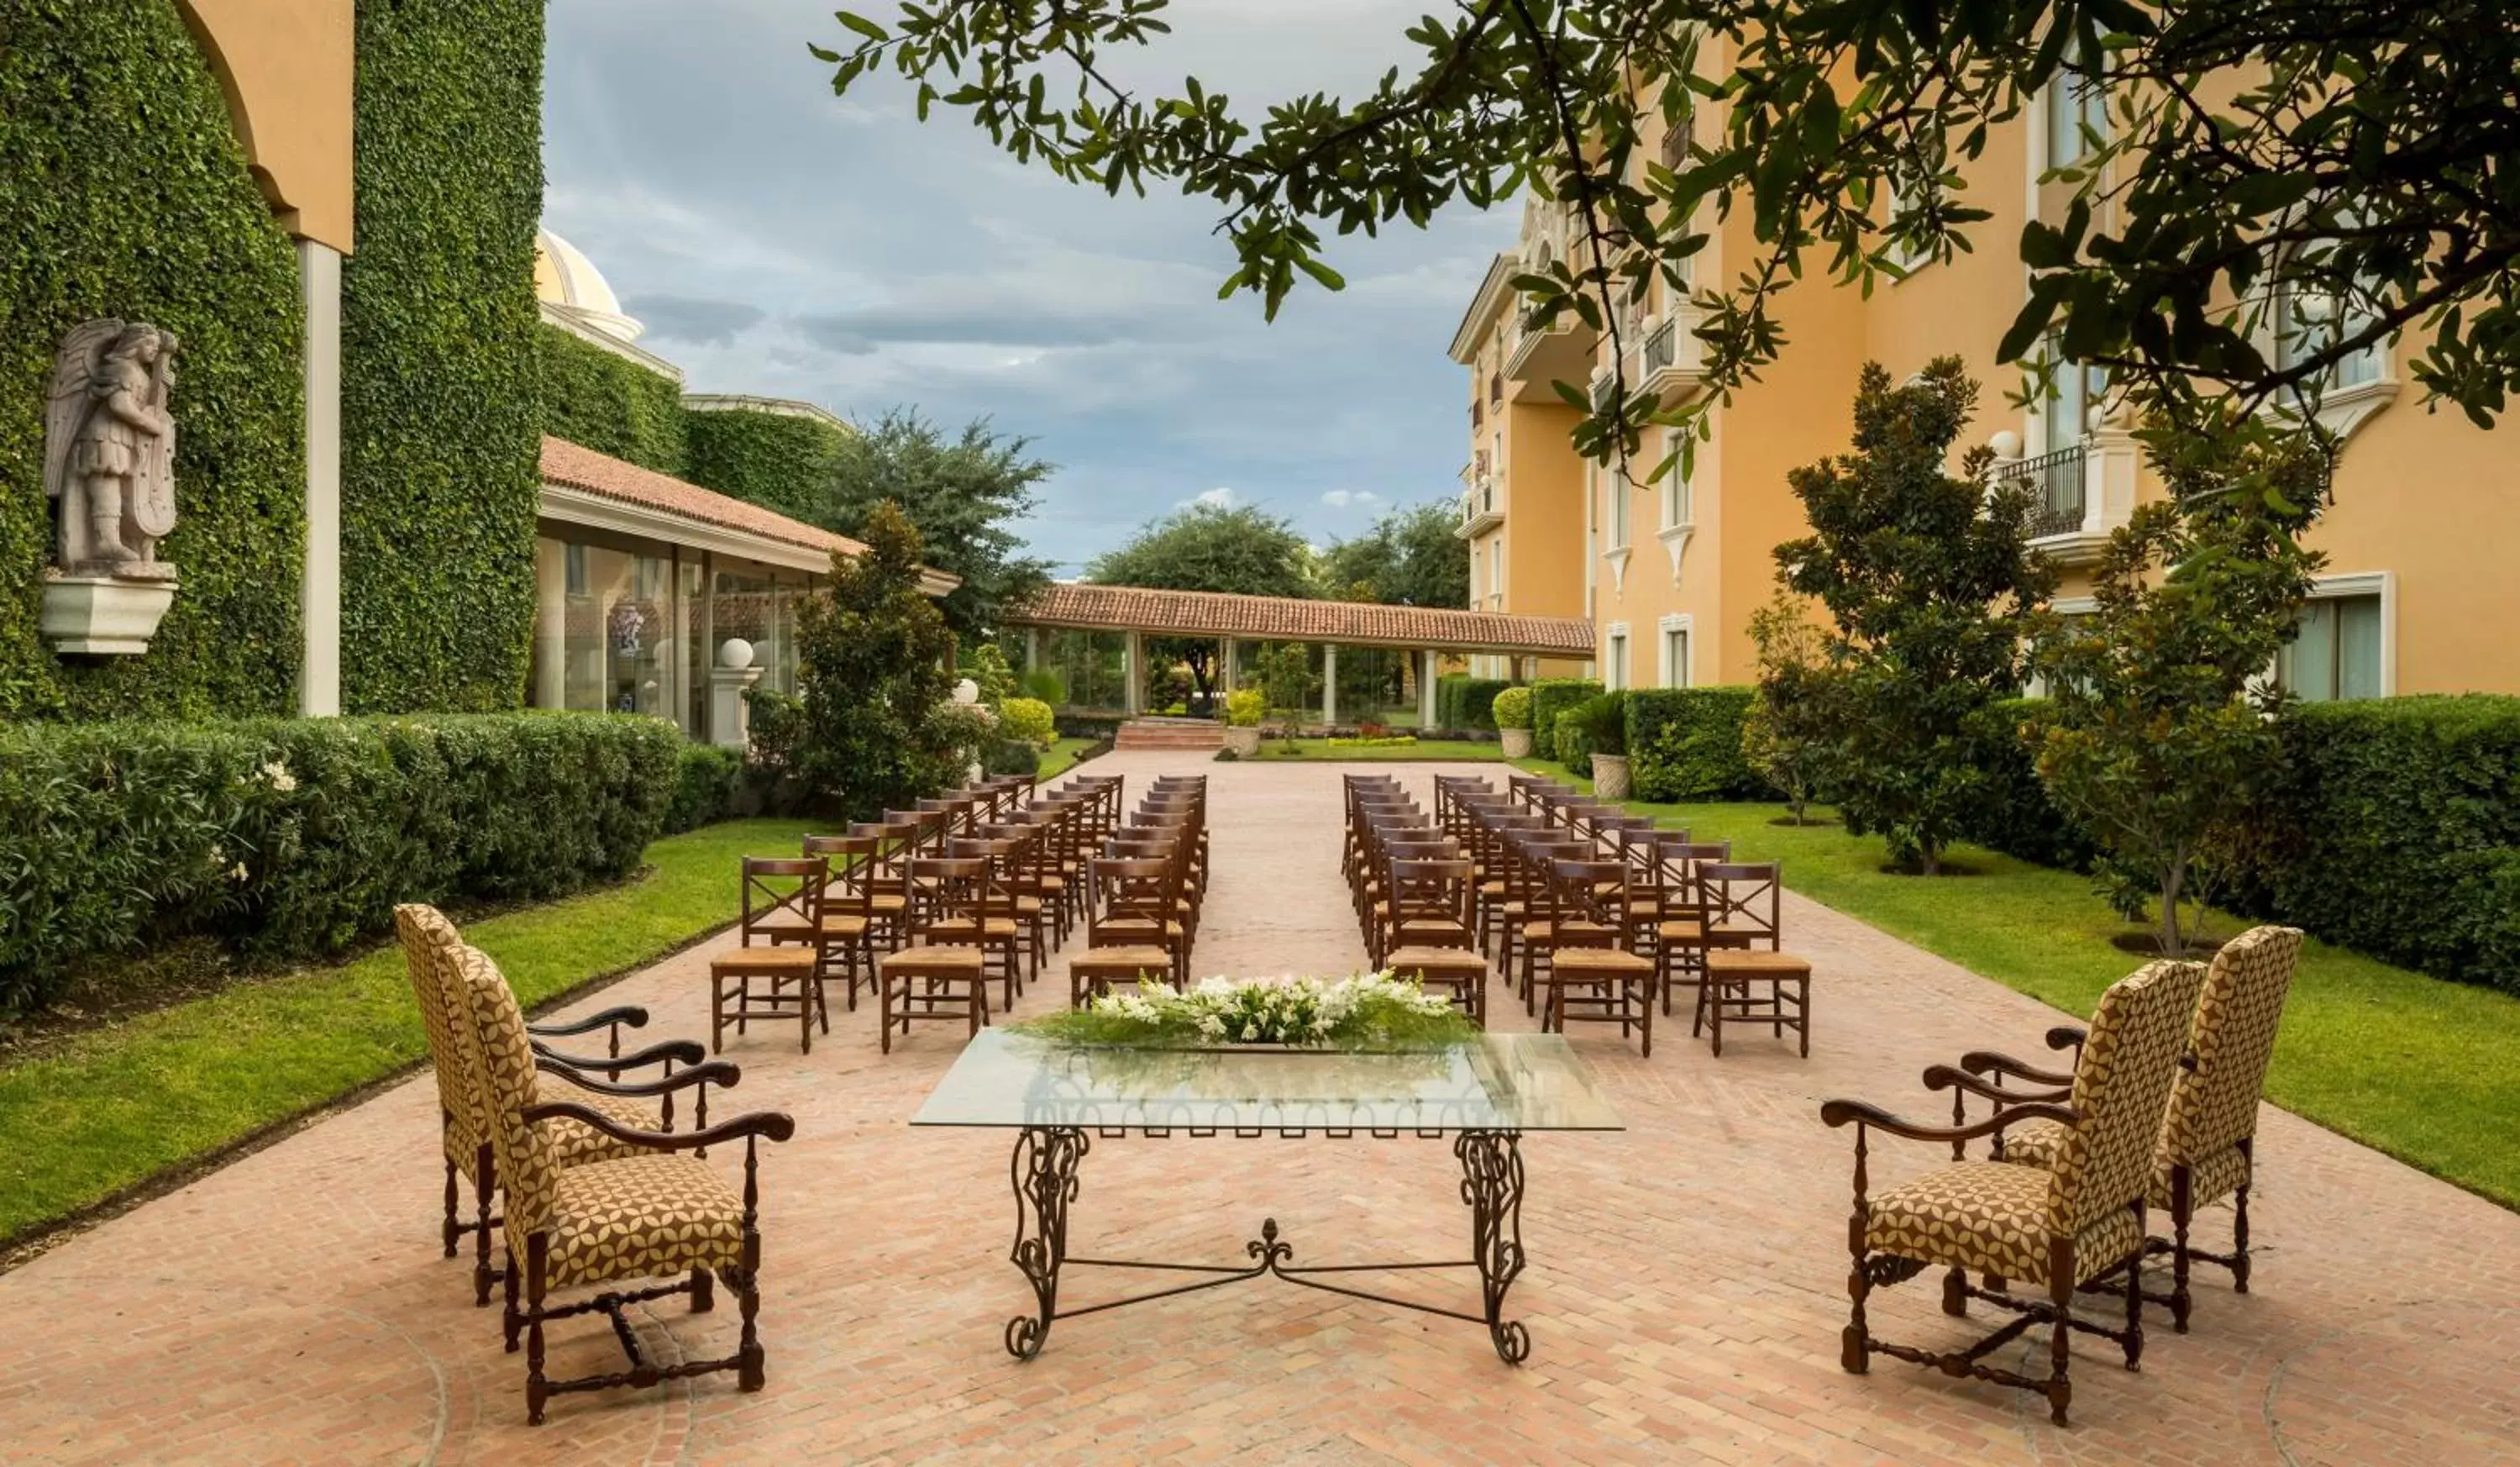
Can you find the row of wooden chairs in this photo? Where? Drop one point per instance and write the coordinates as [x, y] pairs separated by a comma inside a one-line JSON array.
[[1411, 883], [1146, 892], [590, 1172]]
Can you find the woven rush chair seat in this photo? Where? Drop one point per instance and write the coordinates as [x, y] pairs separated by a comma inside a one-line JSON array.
[[1728, 995], [1092, 972], [1461, 973]]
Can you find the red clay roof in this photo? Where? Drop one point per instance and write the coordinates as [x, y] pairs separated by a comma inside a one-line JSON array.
[[581, 467], [1213, 614]]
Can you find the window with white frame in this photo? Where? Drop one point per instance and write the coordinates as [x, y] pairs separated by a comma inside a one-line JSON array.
[[1496, 571], [2074, 391], [2338, 653], [2077, 112], [1676, 506], [1614, 659], [1614, 483], [1675, 653], [2308, 320]]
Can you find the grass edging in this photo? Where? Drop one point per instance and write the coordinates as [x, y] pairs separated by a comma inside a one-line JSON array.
[[2410, 1065], [132, 1110]]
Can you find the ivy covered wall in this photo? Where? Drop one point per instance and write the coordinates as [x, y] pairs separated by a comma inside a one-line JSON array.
[[776, 460], [604, 401], [123, 192], [440, 420]]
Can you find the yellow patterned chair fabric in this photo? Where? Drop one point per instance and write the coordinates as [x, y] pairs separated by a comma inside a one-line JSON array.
[[1991, 1217]]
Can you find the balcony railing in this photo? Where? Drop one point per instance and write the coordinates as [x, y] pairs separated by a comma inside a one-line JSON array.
[[1605, 390], [2057, 478], [1479, 512]]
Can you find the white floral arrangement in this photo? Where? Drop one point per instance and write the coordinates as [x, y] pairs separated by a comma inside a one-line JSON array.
[[1364, 1010]]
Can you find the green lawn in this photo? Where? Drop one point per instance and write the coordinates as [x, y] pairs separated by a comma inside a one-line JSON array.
[[1061, 757], [2412, 1065], [1424, 749], [119, 1105]]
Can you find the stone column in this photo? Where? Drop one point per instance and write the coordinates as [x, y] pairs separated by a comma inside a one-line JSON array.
[[1032, 650], [1137, 674], [1233, 677], [551, 625], [1426, 690], [319, 585], [1329, 684]]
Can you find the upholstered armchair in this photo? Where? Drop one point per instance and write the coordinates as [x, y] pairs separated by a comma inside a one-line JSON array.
[[2208, 1144], [2080, 1222], [648, 1212], [430, 944]]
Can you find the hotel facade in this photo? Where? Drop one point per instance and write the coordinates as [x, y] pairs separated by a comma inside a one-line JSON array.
[[2415, 598]]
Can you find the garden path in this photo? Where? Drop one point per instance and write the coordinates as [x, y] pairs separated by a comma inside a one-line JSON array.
[[1684, 1297]]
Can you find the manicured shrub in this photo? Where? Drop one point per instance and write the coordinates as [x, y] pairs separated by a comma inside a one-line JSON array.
[[1685, 744], [1511, 708], [292, 839], [1012, 756], [1244, 708], [1551, 697], [1462, 702], [706, 780], [1028, 720], [2395, 829], [2015, 815], [1568, 745]]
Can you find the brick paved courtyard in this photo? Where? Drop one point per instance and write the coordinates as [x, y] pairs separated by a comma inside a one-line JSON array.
[[1684, 1297]]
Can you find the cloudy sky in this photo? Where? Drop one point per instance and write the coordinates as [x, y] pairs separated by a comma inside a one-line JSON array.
[[778, 240]]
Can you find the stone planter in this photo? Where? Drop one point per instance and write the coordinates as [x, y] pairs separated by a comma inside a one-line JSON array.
[[1610, 776], [1517, 742], [1244, 741]]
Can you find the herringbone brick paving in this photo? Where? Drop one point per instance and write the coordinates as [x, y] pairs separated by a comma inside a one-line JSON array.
[[1685, 1296]]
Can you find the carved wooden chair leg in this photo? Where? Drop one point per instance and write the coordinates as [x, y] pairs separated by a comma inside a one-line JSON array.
[[2061, 1296], [485, 1181]]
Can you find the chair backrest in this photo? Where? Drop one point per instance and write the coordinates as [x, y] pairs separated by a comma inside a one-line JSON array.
[[1575, 890], [1434, 892], [502, 1056], [856, 868], [1130, 891], [2214, 1105], [954, 890], [1744, 894], [781, 894], [429, 945], [2122, 1091]]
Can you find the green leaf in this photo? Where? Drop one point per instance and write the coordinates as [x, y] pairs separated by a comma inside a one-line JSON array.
[[862, 26]]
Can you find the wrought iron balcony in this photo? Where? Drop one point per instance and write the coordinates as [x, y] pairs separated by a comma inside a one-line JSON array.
[[1479, 511], [2059, 478]]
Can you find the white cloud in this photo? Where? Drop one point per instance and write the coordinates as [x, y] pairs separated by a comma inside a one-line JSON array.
[[1351, 498], [1220, 498]]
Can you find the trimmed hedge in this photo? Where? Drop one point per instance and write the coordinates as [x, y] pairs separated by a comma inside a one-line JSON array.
[[779, 460], [607, 402], [2396, 831], [2017, 817], [707, 778], [292, 839], [123, 192], [1549, 697], [440, 423], [1685, 744], [1465, 702]]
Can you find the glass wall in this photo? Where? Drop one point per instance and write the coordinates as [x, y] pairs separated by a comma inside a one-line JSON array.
[[1092, 666], [616, 634]]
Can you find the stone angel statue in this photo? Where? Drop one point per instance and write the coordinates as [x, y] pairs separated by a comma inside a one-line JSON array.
[[109, 449]]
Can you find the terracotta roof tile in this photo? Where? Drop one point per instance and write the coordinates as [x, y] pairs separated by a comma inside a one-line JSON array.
[[1213, 614], [581, 467]]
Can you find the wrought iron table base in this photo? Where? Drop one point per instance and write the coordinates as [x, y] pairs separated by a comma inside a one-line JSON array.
[[1045, 1166]]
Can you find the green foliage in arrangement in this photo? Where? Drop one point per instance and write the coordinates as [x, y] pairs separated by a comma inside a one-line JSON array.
[[440, 415], [123, 192], [603, 401], [2395, 828], [876, 729], [292, 839], [1551, 697], [706, 780], [1463, 701], [1511, 707], [1027, 720], [1687, 744], [1932, 591], [783, 461]]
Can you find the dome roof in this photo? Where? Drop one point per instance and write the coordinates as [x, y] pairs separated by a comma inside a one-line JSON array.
[[565, 277]]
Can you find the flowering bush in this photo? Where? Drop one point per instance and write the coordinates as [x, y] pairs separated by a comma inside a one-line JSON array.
[[1368, 1010], [1244, 708]]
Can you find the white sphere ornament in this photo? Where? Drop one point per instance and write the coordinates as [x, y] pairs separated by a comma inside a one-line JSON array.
[[2006, 443], [735, 654], [967, 692]]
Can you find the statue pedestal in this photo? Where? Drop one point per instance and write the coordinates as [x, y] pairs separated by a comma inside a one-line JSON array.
[[729, 714], [103, 615]]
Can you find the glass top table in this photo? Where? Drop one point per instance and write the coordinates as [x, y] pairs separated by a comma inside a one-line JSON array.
[[1485, 1094], [1494, 1083]]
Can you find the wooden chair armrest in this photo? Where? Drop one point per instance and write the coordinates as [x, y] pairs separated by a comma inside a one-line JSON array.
[[678, 1052], [628, 1016], [715, 1072], [1840, 1112], [2067, 1036], [1960, 1077], [1988, 1062], [775, 1125]]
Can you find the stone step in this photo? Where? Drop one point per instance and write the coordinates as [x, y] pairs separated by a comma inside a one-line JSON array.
[[1170, 733]]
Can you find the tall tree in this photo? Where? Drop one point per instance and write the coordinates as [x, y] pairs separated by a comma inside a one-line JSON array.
[[1208, 547], [962, 493], [1411, 556], [2356, 154], [878, 727], [1929, 582]]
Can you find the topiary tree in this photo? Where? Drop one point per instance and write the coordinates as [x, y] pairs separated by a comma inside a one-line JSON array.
[[878, 729], [2162, 731], [1783, 735], [1512, 708], [1931, 582]]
